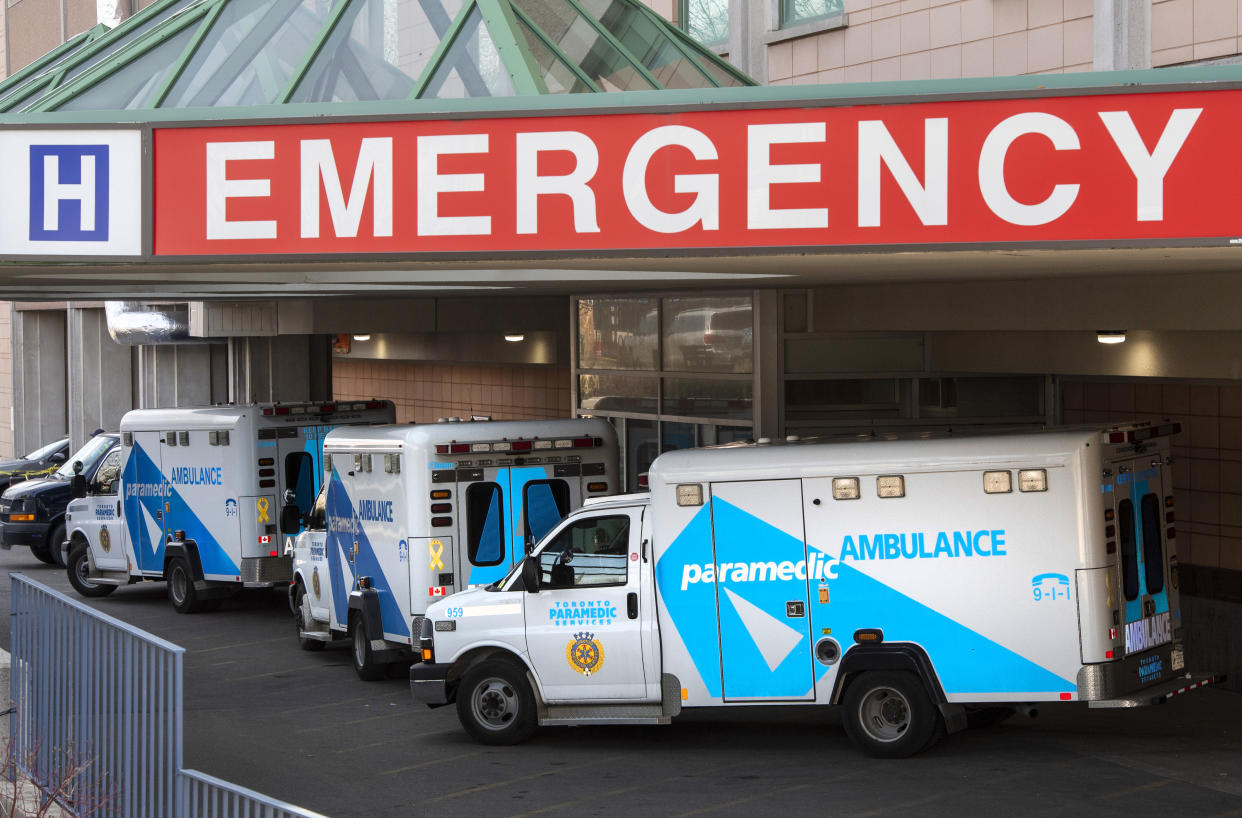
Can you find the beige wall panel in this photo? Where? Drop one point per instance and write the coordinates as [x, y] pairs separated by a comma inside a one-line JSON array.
[[34, 30], [424, 392], [82, 14]]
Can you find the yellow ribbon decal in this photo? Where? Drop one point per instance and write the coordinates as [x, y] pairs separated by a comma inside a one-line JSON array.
[[436, 549], [261, 506], [1108, 583]]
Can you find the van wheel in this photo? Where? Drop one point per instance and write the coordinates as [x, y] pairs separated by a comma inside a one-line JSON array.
[[57, 547], [365, 666], [79, 569], [181, 591], [495, 703], [303, 620], [43, 553], [889, 715]]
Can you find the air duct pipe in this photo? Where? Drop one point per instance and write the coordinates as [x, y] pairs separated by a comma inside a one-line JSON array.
[[131, 323]]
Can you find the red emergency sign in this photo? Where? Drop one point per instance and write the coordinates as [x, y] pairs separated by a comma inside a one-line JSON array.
[[1092, 168]]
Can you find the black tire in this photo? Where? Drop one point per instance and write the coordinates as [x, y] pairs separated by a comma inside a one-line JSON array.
[[79, 568], [181, 592], [495, 703], [57, 547], [43, 553], [302, 620], [365, 666], [988, 716], [889, 715]]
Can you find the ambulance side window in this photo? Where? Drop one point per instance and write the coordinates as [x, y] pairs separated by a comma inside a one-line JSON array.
[[319, 512], [109, 470], [1129, 559], [546, 503], [590, 552], [1153, 555], [485, 543]]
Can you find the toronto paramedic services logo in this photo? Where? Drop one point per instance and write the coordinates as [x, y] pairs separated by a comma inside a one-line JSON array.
[[71, 192], [585, 653]]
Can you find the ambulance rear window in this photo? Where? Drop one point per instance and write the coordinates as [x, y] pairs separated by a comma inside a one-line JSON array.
[[1153, 554], [1129, 559], [484, 524], [546, 502]]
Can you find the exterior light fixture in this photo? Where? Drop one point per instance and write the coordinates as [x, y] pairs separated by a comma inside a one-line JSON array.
[[365, 336], [514, 337], [1110, 336]]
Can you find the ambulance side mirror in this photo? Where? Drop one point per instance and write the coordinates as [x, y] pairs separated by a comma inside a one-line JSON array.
[[290, 519], [530, 574], [77, 486]]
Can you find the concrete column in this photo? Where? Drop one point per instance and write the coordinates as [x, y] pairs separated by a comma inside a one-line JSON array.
[[101, 386], [40, 395], [1122, 34], [767, 364]]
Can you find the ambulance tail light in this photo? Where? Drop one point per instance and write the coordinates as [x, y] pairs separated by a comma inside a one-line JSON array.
[[441, 508], [868, 636], [375, 404], [460, 448], [267, 484], [267, 461], [281, 410], [273, 554], [327, 408], [267, 411], [441, 522], [597, 487], [521, 445], [1116, 437], [441, 494], [642, 480], [587, 442], [442, 448]]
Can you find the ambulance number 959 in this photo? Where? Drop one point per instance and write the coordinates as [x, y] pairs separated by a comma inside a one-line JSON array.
[[454, 613]]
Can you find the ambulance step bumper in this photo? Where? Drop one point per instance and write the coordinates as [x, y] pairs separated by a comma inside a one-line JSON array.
[[603, 714], [316, 636], [259, 571], [1161, 693], [429, 684], [110, 578]]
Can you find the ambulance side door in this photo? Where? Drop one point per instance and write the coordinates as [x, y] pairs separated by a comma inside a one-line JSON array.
[[145, 505], [584, 630], [101, 521]]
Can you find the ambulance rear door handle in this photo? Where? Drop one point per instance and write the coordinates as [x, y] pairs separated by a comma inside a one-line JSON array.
[[631, 605]]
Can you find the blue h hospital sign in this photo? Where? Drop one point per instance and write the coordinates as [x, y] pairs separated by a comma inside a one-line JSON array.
[[71, 192]]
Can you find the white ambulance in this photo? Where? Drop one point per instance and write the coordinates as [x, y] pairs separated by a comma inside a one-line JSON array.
[[413, 513], [918, 583], [194, 496]]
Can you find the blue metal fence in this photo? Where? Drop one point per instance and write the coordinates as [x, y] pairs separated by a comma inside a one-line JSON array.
[[96, 721]]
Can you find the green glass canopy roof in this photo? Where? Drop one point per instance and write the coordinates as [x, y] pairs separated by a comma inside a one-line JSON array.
[[216, 53]]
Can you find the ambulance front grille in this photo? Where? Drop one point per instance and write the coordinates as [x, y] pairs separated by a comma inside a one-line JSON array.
[[267, 569]]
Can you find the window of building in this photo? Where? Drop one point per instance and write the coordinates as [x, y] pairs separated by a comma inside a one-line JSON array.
[[797, 12], [705, 20], [670, 373]]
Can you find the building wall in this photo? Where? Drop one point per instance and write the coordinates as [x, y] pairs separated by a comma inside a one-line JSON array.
[[424, 392], [1187, 30], [940, 39], [6, 380]]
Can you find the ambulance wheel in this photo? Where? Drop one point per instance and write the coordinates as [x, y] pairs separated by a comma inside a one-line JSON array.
[[365, 666], [303, 620], [181, 591], [79, 573], [495, 703], [889, 715], [57, 547]]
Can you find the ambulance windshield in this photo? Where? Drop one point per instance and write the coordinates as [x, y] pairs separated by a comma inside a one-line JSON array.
[[88, 455]]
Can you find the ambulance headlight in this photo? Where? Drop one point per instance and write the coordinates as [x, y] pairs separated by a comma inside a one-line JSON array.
[[426, 640], [447, 625], [1033, 480]]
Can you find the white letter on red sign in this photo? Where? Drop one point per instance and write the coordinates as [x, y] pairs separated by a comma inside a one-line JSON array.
[[374, 161], [761, 174], [220, 189], [431, 183], [992, 169], [876, 145], [530, 185], [1149, 169], [706, 186]]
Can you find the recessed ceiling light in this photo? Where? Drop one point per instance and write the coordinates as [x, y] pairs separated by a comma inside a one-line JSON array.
[[365, 336], [514, 337], [1110, 336]]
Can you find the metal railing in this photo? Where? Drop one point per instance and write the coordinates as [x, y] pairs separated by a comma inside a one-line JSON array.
[[96, 719]]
